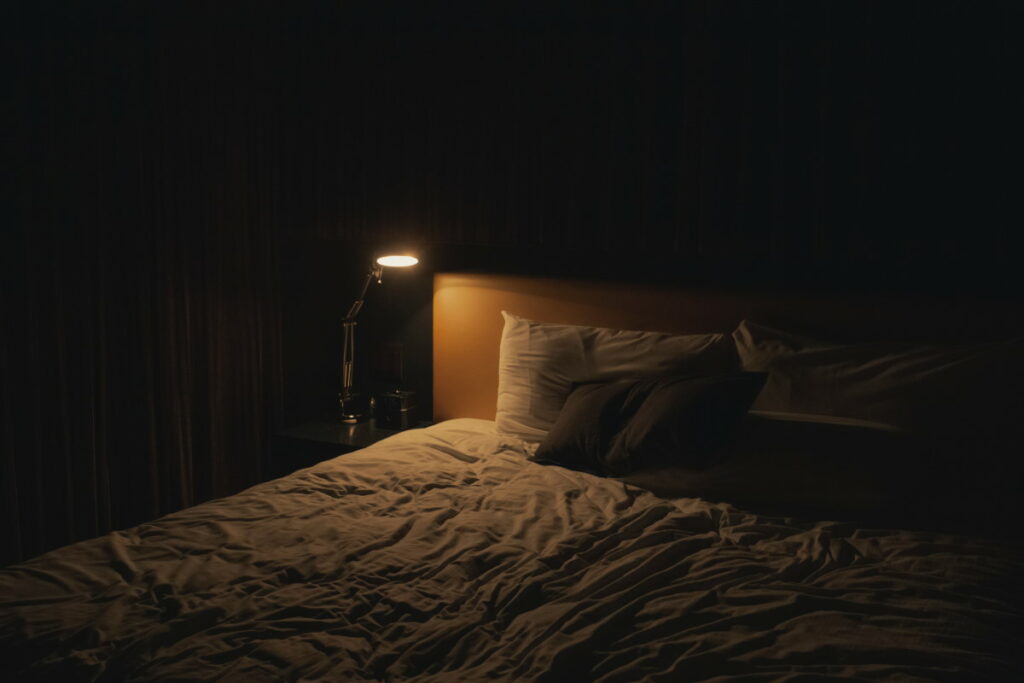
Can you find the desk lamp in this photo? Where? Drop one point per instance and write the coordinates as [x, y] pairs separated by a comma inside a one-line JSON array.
[[352, 405]]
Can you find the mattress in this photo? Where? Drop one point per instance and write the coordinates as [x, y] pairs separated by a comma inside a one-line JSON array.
[[445, 554]]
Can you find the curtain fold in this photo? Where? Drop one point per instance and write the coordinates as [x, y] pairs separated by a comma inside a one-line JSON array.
[[141, 346]]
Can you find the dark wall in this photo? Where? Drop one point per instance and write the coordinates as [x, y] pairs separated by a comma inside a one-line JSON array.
[[199, 187], [770, 137]]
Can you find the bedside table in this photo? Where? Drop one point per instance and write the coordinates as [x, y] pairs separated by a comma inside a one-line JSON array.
[[317, 440]]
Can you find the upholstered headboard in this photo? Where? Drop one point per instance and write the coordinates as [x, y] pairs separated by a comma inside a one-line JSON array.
[[468, 323]]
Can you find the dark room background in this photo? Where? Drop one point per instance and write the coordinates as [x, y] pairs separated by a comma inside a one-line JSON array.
[[198, 188]]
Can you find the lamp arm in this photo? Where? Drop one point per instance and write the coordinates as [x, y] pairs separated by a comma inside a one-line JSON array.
[[375, 274], [348, 347]]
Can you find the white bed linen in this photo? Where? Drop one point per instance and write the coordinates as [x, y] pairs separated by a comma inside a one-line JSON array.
[[444, 554]]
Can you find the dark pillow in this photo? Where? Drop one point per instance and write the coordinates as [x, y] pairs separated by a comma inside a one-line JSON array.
[[623, 426]]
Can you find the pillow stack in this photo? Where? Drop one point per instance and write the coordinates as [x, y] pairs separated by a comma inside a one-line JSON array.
[[541, 362], [614, 402], [609, 401]]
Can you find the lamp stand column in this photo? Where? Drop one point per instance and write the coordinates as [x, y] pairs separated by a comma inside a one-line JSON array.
[[349, 403]]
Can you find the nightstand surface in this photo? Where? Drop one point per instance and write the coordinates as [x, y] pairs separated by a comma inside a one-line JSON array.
[[317, 440], [348, 436]]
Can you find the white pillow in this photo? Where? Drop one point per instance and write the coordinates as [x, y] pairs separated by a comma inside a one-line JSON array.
[[540, 362]]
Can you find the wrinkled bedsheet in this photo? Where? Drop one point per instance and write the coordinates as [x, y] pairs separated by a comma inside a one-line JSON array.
[[444, 554]]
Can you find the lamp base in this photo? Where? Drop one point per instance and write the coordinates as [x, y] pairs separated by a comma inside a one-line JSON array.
[[353, 407]]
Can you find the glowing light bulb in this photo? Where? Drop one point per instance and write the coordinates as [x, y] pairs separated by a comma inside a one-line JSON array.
[[398, 261]]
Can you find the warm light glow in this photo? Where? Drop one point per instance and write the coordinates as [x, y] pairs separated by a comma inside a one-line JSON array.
[[396, 261]]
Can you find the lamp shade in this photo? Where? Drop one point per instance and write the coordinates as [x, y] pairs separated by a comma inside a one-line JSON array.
[[398, 260]]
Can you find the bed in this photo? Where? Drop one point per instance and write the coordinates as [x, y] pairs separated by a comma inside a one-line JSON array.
[[456, 553]]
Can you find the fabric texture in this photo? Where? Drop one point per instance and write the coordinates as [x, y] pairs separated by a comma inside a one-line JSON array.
[[540, 362], [445, 554], [623, 426]]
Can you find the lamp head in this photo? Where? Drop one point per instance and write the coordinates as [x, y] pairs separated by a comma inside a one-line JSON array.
[[398, 260]]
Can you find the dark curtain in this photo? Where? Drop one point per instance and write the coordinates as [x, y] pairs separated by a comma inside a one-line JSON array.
[[140, 357]]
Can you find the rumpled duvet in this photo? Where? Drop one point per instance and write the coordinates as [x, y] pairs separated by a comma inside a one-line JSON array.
[[445, 554]]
